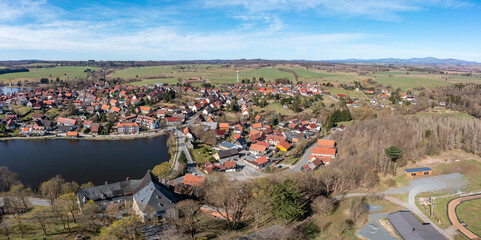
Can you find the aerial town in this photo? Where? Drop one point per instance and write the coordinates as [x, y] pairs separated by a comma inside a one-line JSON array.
[[240, 120], [237, 132]]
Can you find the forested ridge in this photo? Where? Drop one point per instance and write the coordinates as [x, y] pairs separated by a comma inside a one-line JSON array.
[[365, 141]]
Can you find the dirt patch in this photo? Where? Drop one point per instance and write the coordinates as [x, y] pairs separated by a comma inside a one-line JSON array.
[[447, 157]]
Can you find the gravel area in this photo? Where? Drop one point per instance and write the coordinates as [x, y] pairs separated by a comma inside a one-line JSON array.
[[430, 184], [374, 230]]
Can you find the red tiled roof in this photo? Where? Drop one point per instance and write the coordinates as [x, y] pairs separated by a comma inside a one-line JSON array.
[[193, 180], [257, 147], [323, 151], [261, 160], [284, 144], [323, 143]]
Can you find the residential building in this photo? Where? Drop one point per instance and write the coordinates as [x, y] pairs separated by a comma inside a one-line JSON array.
[[147, 122], [226, 155], [258, 163], [128, 128]]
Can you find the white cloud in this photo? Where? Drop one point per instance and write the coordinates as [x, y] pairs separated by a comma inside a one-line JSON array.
[[163, 42], [372, 9], [11, 10]]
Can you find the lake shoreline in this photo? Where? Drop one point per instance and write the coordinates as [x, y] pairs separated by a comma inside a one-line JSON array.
[[96, 138]]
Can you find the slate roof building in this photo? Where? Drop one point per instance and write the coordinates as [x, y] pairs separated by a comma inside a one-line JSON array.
[[118, 192], [409, 227], [150, 198]]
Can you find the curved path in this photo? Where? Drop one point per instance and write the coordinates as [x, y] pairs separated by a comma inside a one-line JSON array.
[[453, 218]]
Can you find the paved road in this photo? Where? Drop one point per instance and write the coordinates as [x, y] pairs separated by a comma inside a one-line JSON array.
[[305, 158], [191, 167], [453, 218], [411, 207], [36, 201]]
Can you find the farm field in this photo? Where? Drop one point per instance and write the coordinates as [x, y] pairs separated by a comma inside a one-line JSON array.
[[215, 73], [154, 81], [406, 82], [141, 72], [35, 74], [219, 74], [305, 74]]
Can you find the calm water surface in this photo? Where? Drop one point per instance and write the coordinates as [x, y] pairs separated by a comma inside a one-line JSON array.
[[82, 160], [7, 90]]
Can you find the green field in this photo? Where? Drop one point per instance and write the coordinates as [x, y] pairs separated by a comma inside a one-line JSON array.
[[35, 74], [154, 81], [305, 74], [215, 73], [268, 73], [469, 212], [141, 72], [408, 82]]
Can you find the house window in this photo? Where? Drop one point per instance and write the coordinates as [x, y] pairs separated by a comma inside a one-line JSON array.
[[413, 174], [426, 173]]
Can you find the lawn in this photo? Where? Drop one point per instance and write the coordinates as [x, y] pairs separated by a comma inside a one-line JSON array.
[[470, 169], [469, 212], [53, 112], [21, 110], [278, 109], [440, 209], [201, 155], [35, 74]]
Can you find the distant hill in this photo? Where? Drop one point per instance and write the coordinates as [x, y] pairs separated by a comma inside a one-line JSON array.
[[426, 60]]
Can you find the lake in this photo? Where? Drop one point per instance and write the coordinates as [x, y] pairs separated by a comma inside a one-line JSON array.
[[8, 90], [82, 160]]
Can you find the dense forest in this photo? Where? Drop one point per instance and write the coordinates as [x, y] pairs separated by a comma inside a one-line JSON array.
[[9, 70]]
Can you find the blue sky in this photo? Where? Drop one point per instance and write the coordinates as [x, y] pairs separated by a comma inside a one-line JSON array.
[[234, 29]]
